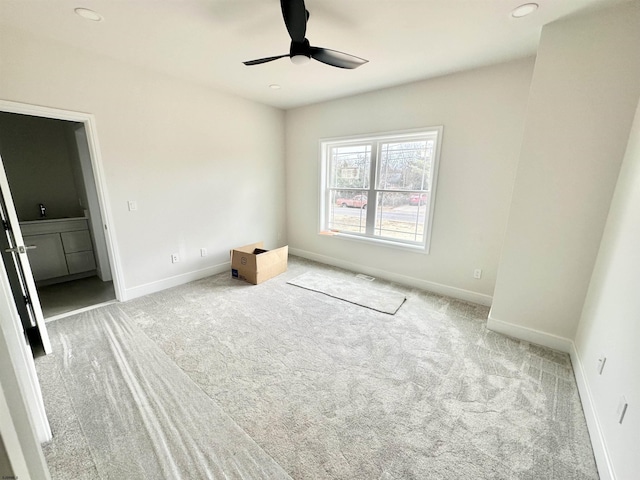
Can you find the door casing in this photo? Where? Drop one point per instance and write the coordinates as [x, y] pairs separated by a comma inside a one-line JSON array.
[[28, 378], [98, 175]]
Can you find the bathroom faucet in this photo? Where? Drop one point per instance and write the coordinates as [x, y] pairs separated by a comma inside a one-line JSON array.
[[43, 211]]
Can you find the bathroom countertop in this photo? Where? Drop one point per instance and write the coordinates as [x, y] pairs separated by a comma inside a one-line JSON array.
[[43, 220]]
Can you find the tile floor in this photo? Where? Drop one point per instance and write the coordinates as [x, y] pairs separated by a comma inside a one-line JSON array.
[[69, 296]]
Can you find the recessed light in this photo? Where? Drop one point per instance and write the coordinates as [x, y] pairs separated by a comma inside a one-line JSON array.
[[88, 14], [274, 86], [524, 10]]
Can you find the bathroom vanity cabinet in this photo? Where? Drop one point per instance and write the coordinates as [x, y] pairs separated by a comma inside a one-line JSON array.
[[64, 250]]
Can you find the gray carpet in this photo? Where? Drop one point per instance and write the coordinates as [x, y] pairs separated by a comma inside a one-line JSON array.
[[326, 389], [141, 416], [352, 290]]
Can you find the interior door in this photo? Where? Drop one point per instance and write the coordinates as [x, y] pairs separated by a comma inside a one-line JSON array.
[[14, 256]]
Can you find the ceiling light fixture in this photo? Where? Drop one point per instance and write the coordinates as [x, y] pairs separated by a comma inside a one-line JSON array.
[[88, 14], [524, 10], [300, 59]]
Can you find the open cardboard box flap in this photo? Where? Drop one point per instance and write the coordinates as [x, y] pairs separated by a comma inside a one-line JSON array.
[[254, 264]]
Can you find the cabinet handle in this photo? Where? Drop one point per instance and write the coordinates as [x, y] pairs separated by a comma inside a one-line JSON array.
[[20, 249]]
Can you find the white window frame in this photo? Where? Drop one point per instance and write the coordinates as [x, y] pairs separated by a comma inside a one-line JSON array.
[[326, 144]]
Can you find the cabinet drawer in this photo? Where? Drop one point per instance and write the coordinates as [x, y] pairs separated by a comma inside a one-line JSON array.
[[76, 241], [80, 262]]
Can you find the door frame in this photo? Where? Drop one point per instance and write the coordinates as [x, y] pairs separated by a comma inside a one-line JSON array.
[[98, 175]]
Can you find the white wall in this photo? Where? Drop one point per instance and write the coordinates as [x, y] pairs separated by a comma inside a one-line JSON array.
[[87, 190], [584, 91], [610, 323], [482, 112], [206, 168]]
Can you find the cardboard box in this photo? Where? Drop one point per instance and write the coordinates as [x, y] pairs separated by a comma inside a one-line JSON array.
[[254, 264]]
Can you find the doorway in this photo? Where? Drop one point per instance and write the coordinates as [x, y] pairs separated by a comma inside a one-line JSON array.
[[50, 157]]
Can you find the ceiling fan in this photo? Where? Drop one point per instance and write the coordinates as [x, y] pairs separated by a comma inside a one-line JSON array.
[[295, 18]]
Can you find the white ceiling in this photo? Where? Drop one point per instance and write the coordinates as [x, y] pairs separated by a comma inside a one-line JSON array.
[[206, 41]]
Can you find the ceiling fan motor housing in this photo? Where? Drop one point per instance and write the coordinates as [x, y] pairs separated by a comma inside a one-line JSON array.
[[300, 48]]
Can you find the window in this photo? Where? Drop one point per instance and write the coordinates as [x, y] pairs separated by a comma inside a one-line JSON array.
[[381, 188]]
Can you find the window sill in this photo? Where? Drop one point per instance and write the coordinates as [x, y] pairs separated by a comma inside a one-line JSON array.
[[421, 249]]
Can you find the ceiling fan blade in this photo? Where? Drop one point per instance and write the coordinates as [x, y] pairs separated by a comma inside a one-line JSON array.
[[264, 60], [295, 18], [335, 58]]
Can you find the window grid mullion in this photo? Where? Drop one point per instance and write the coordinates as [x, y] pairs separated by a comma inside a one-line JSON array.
[[372, 198]]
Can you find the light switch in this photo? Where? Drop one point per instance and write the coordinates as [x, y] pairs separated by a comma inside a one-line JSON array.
[[133, 205]]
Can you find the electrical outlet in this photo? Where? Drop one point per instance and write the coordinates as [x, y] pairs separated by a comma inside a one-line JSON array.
[[203, 252], [622, 408], [601, 361], [477, 273], [175, 258]]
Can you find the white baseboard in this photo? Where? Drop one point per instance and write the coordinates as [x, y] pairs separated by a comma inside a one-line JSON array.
[[159, 285], [600, 452], [438, 288], [530, 335]]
